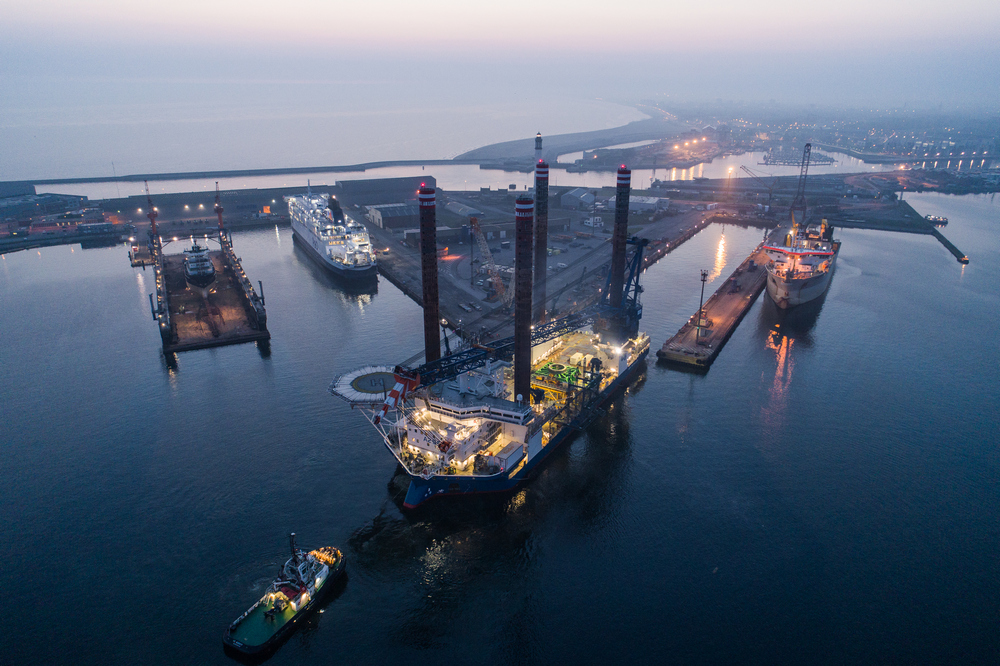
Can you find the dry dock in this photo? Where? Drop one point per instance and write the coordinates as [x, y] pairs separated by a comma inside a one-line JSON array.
[[228, 312], [723, 312]]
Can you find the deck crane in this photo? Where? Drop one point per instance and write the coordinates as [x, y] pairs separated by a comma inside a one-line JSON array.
[[770, 188], [505, 292], [799, 202]]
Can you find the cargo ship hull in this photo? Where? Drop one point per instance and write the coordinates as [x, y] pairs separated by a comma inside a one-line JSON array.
[[789, 293], [421, 490]]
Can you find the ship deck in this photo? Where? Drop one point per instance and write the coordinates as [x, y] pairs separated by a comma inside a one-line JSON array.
[[256, 629], [561, 386]]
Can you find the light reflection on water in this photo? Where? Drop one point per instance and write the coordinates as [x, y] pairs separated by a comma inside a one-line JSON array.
[[720, 259], [213, 456]]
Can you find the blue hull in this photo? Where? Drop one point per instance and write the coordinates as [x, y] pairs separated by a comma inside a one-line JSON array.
[[421, 490]]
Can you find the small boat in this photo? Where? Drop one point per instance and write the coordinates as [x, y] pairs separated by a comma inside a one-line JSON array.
[[199, 271], [304, 579], [936, 220]]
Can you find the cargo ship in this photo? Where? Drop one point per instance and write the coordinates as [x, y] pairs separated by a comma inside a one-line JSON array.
[[303, 581], [337, 242], [801, 268]]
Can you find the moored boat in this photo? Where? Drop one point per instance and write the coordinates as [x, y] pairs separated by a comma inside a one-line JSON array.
[[336, 241], [304, 579], [199, 271], [801, 268]]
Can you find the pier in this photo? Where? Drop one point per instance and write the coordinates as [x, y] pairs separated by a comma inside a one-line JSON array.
[[697, 346]]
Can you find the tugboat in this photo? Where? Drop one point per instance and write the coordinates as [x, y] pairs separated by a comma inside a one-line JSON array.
[[199, 271], [289, 598]]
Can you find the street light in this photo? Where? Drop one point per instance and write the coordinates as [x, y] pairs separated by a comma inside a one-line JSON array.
[[701, 305]]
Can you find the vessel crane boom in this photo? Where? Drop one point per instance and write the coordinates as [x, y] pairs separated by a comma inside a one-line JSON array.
[[505, 293], [770, 188], [799, 202]]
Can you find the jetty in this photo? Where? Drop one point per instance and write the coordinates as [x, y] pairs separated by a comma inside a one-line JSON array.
[[697, 343]]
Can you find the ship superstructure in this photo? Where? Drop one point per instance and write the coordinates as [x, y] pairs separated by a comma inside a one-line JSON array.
[[801, 268], [335, 240], [199, 271], [469, 433]]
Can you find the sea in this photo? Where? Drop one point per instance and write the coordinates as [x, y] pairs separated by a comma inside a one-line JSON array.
[[826, 494]]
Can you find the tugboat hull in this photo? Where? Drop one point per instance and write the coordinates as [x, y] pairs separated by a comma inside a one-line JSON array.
[[231, 638]]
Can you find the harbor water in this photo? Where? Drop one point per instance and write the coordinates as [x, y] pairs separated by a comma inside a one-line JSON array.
[[826, 493]]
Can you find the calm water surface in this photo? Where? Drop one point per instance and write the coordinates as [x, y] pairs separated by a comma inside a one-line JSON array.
[[827, 493]]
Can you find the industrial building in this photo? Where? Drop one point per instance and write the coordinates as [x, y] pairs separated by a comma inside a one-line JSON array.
[[463, 210], [394, 216], [644, 204], [580, 197]]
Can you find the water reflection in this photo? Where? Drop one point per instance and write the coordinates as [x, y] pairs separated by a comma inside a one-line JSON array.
[[436, 563], [359, 292], [783, 332], [720, 257]]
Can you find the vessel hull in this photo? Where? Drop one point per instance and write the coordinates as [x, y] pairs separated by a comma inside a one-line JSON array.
[[421, 490], [789, 293], [364, 273], [282, 633], [200, 281]]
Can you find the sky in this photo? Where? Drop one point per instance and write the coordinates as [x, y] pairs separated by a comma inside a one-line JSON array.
[[91, 68], [648, 26]]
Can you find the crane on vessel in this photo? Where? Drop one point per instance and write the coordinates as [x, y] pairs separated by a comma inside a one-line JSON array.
[[770, 188], [504, 292], [799, 202]]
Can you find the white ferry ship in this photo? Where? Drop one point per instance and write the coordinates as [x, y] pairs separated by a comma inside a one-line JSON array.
[[800, 270], [336, 241]]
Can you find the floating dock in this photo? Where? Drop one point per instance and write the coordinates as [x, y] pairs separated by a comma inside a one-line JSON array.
[[229, 312], [722, 314], [141, 254]]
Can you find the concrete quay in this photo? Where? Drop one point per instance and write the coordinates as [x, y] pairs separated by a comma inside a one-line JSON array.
[[723, 312]]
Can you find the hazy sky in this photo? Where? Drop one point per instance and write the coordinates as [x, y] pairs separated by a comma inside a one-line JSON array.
[[90, 68], [650, 26]]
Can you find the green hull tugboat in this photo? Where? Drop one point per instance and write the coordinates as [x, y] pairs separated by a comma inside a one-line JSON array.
[[291, 597]]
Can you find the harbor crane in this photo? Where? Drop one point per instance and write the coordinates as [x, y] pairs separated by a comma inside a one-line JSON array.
[[504, 292], [770, 188]]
